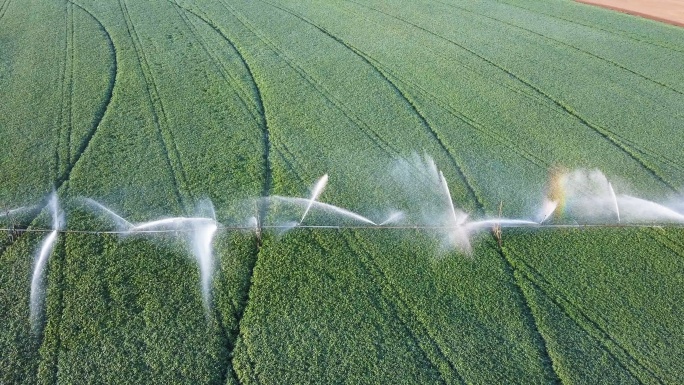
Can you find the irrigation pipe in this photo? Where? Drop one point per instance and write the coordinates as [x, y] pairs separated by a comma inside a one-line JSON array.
[[334, 227]]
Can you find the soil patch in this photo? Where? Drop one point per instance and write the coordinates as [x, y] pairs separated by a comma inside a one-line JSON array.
[[667, 11]]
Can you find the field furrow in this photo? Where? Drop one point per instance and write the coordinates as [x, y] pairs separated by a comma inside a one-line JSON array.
[[581, 305], [473, 195], [320, 337], [418, 331], [225, 73], [621, 356], [78, 147], [261, 119], [49, 331], [472, 123], [571, 111], [530, 319], [4, 7], [157, 108], [327, 95], [563, 44], [601, 364], [65, 82], [234, 314]]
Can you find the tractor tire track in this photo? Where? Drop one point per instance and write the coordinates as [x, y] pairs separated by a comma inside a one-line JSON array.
[[597, 28], [398, 306], [501, 140], [644, 151], [611, 62], [156, 107], [263, 120], [673, 244], [673, 163], [606, 134], [57, 269], [70, 116], [453, 111], [417, 330], [459, 115], [4, 7], [347, 112], [592, 328], [233, 336], [99, 116], [465, 119], [62, 123], [457, 163], [529, 318], [524, 92], [668, 242], [384, 283], [233, 83], [462, 117]]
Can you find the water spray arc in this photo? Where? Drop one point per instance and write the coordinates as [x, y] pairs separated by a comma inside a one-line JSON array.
[[11, 212], [584, 197], [121, 223], [315, 193], [615, 201], [41, 259], [547, 210], [324, 207], [200, 232], [457, 221]]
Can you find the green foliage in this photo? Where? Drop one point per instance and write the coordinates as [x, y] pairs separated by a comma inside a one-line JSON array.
[[150, 107]]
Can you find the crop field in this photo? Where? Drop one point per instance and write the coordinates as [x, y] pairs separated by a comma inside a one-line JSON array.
[[340, 191]]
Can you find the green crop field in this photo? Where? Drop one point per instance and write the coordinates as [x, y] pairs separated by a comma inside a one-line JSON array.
[[216, 116]]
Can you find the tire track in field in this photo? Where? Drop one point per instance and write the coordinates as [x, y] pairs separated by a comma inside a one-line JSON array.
[[463, 117], [63, 169], [605, 133], [68, 113], [99, 116], [529, 318], [459, 115], [4, 7], [64, 79], [501, 140], [263, 119], [457, 163], [532, 96], [417, 330], [390, 300], [384, 283], [592, 328], [233, 83], [396, 304], [57, 268], [611, 62], [673, 244], [233, 336], [673, 163], [638, 148], [156, 107], [595, 27], [348, 113]]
